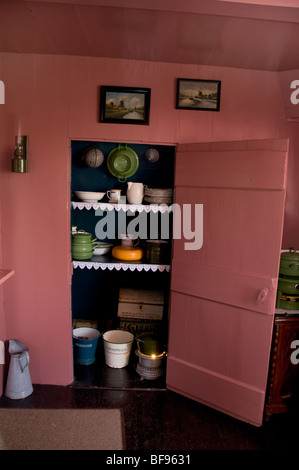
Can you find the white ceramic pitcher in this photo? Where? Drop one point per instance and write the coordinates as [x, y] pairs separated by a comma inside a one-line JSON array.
[[135, 192]]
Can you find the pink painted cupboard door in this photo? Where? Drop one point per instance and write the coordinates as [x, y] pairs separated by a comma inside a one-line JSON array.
[[223, 295]]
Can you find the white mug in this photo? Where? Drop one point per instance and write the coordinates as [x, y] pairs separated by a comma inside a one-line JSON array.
[[114, 195]]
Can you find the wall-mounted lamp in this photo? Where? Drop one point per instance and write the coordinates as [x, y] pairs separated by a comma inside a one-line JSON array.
[[20, 162]]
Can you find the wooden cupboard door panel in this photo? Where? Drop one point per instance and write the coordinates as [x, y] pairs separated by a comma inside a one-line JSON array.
[[223, 294], [232, 219], [224, 286], [216, 391], [231, 350], [248, 170]]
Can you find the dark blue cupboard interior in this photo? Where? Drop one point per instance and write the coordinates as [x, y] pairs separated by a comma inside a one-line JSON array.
[[95, 291], [159, 174]]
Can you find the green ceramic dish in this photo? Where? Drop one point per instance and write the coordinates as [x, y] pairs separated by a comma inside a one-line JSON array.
[[122, 162]]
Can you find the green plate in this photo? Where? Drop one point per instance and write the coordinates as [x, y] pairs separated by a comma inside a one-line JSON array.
[[122, 162]]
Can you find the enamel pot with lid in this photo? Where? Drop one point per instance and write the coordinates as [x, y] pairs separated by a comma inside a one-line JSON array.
[[82, 251], [82, 245], [289, 263], [82, 238], [288, 285]]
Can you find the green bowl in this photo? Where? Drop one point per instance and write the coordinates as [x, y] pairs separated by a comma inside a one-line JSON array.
[[122, 162]]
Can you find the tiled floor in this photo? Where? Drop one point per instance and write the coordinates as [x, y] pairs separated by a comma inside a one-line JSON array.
[[163, 420]]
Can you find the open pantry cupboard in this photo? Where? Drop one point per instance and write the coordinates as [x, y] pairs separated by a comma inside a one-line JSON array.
[[219, 320], [103, 284]]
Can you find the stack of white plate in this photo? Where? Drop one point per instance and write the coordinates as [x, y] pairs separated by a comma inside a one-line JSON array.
[[158, 196]]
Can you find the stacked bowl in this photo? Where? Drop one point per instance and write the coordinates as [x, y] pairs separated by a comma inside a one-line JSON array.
[[158, 196], [82, 245]]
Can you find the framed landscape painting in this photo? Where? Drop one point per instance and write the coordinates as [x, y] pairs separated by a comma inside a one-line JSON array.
[[201, 95], [123, 105]]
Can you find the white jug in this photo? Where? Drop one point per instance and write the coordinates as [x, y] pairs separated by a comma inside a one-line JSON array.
[[135, 192]]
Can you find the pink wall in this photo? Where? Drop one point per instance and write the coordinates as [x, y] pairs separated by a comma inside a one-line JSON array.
[[291, 232], [2, 338], [53, 99], [291, 222]]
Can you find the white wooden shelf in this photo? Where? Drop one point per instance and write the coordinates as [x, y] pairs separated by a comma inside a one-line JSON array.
[[96, 263], [106, 263], [107, 206]]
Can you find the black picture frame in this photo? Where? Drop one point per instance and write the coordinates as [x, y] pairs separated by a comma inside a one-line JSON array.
[[125, 105], [200, 95]]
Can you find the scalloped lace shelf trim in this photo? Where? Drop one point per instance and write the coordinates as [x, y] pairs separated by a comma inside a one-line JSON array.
[[121, 266], [125, 207]]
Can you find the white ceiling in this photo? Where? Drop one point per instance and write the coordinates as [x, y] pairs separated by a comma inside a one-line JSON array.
[[262, 36]]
